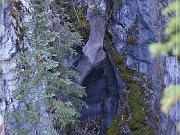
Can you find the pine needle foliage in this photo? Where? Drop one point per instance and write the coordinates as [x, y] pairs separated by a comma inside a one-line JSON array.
[[47, 93]]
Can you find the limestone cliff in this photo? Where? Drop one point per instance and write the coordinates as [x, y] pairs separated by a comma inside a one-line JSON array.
[[124, 85]]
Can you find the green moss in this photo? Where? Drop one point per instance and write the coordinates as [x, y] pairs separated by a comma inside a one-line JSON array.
[[137, 123], [135, 93], [114, 128], [107, 36], [137, 108]]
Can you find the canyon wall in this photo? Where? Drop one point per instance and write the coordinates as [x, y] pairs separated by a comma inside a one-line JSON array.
[[124, 85]]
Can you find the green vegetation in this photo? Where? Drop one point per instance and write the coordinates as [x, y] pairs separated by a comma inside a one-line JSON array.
[[46, 92], [76, 16], [135, 91], [114, 128], [82, 25], [137, 123]]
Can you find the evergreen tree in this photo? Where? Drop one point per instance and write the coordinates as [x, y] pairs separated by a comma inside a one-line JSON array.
[[47, 92]]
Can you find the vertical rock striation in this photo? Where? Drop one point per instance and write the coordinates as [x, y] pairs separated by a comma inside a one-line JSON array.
[[130, 27], [124, 84], [96, 71], [136, 24]]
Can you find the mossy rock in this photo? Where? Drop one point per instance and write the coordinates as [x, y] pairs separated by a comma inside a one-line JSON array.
[[135, 91], [138, 108], [114, 128]]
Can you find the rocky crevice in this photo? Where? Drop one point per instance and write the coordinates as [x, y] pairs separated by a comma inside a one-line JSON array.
[[134, 26], [96, 71], [130, 27]]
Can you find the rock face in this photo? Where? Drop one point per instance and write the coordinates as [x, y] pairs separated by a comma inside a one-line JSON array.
[[124, 84], [141, 23], [139, 80], [7, 50], [93, 50], [102, 95]]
